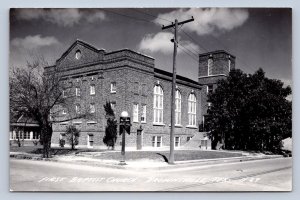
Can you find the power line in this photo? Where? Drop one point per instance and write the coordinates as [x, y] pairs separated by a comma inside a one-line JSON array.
[[188, 54], [137, 10], [128, 16], [195, 54], [189, 36]]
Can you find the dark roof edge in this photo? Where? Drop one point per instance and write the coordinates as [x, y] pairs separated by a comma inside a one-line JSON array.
[[216, 52], [120, 50], [182, 78]]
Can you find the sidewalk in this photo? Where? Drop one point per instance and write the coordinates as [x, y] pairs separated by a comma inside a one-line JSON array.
[[140, 164]]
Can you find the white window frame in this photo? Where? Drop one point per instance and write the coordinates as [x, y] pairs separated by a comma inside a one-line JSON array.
[[192, 110], [92, 108], [113, 87], [177, 107], [209, 66], [156, 141], [92, 90], [178, 141], [77, 91], [135, 112], [144, 114], [89, 137], [158, 105], [64, 112], [208, 86], [77, 108], [64, 94]]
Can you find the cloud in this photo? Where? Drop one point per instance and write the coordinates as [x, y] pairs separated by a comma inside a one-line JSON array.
[[97, 16], [62, 17], [209, 20], [160, 42], [33, 42]]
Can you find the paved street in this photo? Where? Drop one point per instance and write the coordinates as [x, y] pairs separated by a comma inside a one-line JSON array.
[[260, 175]]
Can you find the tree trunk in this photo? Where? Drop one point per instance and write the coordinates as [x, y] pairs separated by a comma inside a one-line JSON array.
[[47, 134]]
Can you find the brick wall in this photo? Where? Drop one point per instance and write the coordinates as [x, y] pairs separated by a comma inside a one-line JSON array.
[[135, 79]]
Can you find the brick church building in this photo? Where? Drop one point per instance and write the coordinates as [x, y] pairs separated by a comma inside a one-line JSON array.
[[130, 81]]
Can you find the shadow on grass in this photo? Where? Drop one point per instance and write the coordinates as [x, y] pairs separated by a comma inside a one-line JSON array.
[[164, 157]]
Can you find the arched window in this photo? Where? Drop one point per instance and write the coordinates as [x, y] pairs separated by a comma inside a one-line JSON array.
[[158, 104], [192, 102], [177, 107]]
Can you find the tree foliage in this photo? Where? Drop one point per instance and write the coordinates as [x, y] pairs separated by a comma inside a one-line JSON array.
[[38, 94], [250, 112], [111, 127], [72, 135]]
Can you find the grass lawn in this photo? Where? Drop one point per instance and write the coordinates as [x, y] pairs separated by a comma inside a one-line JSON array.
[[180, 155], [54, 150]]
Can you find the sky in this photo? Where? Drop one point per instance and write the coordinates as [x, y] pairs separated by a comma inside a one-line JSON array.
[[258, 37]]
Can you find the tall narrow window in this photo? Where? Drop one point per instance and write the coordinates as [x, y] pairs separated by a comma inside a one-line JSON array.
[[77, 91], [210, 89], [90, 141], [113, 87], [209, 66], [64, 94], [192, 102], [135, 112], [92, 108], [77, 109], [177, 141], [92, 90], [144, 110], [229, 64], [158, 104], [177, 107]]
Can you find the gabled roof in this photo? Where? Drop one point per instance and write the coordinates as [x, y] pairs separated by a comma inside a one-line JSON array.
[[85, 44]]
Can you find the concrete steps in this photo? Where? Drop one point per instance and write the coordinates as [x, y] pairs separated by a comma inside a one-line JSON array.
[[195, 142]]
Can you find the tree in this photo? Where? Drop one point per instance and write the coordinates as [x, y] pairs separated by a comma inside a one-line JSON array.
[[110, 137], [40, 94], [250, 112], [72, 135]]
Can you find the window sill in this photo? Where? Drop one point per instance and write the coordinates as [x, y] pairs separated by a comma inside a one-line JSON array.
[[144, 122], [177, 125], [158, 124], [91, 122], [113, 92], [190, 126]]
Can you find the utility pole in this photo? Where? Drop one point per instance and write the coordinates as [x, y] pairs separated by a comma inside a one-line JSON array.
[[175, 40]]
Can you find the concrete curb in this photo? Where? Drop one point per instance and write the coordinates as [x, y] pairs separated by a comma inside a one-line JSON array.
[[178, 164]]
